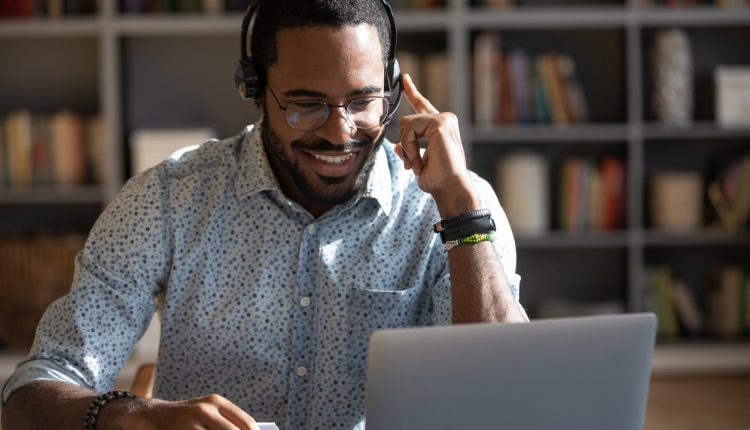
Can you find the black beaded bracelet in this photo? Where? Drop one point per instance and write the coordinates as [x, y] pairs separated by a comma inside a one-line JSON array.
[[92, 413], [460, 219]]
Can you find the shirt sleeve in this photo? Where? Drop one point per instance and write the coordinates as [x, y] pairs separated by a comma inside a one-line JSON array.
[[505, 247], [85, 337]]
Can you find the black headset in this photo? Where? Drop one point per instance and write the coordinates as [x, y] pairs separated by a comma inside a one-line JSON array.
[[246, 76]]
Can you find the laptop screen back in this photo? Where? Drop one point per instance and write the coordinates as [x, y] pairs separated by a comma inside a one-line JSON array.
[[587, 373]]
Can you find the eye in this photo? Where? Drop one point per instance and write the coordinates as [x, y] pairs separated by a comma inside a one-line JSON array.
[[306, 106], [361, 104]]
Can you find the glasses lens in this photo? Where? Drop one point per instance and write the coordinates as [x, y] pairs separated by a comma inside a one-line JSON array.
[[306, 115], [367, 112]]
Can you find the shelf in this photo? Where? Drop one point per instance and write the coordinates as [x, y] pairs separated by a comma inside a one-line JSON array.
[[427, 20], [692, 16], [552, 18], [551, 133], [699, 130], [701, 358], [185, 24], [703, 238], [52, 195], [573, 240], [46, 27]]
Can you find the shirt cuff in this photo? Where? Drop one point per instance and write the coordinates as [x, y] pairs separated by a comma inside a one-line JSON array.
[[40, 369]]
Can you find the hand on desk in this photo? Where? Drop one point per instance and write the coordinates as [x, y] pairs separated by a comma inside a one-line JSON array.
[[212, 412]]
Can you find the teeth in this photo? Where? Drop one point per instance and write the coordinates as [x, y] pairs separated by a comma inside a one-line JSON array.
[[334, 160]]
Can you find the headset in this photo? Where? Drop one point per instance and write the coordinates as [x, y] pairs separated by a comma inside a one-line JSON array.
[[246, 76]]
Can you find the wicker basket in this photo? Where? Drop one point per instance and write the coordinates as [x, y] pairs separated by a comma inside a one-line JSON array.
[[33, 273]]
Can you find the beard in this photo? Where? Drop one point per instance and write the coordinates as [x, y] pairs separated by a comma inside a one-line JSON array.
[[331, 194]]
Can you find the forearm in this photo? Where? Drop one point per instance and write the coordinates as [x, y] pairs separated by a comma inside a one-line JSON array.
[[47, 405], [480, 290]]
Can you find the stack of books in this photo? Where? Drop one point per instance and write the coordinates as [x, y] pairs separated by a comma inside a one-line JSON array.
[[64, 149], [514, 88], [50, 8], [592, 194]]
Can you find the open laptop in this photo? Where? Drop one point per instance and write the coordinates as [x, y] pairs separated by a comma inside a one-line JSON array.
[[587, 373]]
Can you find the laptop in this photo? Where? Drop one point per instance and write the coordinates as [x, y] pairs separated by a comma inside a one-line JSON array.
[[586, 373]]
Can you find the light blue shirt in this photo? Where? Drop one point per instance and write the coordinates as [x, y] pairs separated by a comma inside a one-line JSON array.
[[259, 301]]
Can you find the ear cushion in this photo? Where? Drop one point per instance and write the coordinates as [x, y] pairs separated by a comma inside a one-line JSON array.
[[246, 80], [397, 86]]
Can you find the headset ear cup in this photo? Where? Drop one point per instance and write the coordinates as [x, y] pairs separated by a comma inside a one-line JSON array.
[[395, 83], [246, 80]]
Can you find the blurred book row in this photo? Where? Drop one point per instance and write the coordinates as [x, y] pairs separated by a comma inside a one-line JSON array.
[[430, 73], [514, 87], [50, 8], [183, 6], [723, 312], [34, 271], [591, 193], [689, 3], [62, 149], [417, 4]]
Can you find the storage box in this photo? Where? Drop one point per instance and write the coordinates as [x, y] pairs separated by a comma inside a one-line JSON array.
[[732, 96]]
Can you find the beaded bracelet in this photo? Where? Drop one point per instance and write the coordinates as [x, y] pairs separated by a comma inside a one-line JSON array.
[[469, 240], [92, 413]]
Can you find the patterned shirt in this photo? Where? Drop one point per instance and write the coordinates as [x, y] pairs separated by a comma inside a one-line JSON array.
[[259, 301]]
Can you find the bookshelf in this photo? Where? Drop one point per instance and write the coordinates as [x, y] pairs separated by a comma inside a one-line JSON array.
[[175, 71]]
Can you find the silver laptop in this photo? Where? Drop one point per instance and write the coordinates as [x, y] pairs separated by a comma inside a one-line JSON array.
[[588, 373]]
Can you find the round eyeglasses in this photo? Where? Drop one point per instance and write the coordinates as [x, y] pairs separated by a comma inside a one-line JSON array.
[[308, 115]]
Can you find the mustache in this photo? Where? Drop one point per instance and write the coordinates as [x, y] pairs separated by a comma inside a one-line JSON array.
[[326, 146]]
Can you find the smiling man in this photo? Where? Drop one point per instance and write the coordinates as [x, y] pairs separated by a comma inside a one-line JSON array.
[[276, 253]]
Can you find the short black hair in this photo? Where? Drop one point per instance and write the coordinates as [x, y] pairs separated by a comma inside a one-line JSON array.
[[275, 15]]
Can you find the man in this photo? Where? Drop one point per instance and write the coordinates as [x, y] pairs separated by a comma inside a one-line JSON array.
[[275, 254]]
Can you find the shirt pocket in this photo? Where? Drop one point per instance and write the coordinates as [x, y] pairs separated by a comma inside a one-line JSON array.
[[371, 310]]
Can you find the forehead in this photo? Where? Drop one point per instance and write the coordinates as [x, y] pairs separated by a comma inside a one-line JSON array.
[[327, 59]]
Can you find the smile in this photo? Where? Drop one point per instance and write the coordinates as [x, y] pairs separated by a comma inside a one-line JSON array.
[[334, 159]]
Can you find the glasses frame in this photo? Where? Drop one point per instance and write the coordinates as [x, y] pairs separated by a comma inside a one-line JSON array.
[[331, 105]]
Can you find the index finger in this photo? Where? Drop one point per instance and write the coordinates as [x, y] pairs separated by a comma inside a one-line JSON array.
[[417, 100]]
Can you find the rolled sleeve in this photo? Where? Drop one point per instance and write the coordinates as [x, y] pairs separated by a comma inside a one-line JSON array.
[[85, 337]]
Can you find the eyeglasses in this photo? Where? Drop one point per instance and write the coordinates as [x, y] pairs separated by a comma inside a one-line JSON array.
[[308, 115]]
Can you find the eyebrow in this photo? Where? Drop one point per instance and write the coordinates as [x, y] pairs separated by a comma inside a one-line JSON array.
[[302, 92]]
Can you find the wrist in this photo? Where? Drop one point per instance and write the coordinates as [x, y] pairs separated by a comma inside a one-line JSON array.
[[124, 414], [457, 199]]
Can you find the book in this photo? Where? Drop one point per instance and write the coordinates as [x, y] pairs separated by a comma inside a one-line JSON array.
[[686, 308], [41, 151], [436, 79], [521, 85], [614, 193], [507, 108], [68, 149], [4, 181], [486, 82], [19, 149], [213, 7], [724, 302]]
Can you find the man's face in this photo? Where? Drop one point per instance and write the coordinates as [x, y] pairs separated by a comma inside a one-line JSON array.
[[326, 166]]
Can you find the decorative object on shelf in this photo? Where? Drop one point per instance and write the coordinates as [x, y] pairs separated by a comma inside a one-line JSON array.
[[677, 200], [673, 302], [523, 190], [33, 273], [672, 68], [151, 147], [732, 96], [729, 194]]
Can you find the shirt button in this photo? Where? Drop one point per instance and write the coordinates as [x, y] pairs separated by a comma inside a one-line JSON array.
[[311, 229], [301, 371], [305, 301]]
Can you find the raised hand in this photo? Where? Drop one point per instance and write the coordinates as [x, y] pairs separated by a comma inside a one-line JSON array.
[[441, 168]]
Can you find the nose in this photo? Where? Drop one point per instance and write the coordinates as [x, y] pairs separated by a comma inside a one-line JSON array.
[[336, 129]]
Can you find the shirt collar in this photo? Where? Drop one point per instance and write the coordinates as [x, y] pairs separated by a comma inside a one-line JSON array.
[[255, 173]]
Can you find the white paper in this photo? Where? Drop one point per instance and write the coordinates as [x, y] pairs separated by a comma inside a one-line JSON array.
[[268, 426]]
